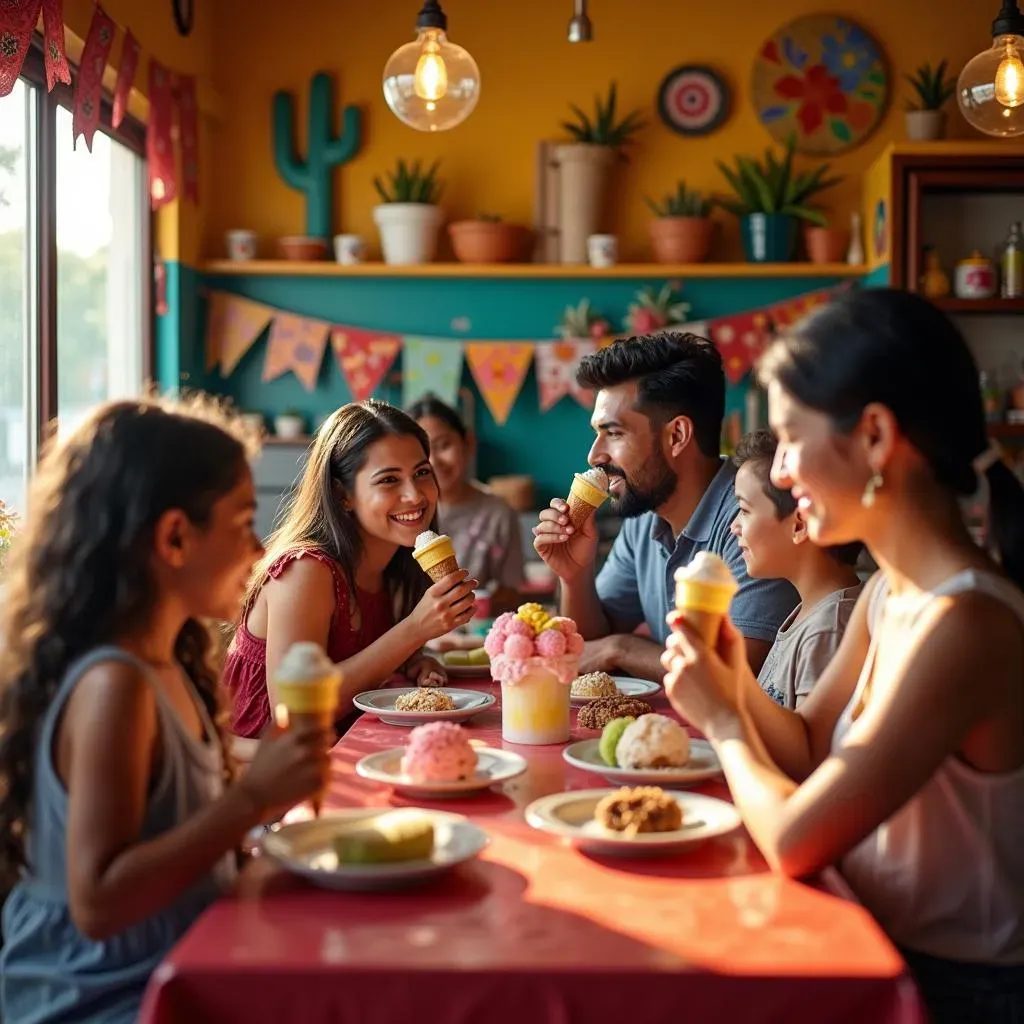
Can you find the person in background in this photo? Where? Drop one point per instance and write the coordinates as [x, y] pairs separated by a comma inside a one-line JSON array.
[[772, 535], [339, 571], [482, 526], [906, 763], [119, 822], [658, 419]]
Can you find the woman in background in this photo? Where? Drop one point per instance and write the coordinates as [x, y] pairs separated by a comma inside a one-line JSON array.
[[339, 570], [482, 526]]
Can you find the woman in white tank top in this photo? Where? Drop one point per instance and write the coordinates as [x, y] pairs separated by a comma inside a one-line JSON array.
[[906, 764]]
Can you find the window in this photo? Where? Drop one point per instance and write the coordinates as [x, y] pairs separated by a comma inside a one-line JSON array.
[[74, 270]]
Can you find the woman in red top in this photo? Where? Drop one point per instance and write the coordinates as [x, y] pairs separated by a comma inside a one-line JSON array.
[[339, 570]]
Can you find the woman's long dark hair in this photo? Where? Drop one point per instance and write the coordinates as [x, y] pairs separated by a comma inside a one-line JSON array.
[[896, 348], [314, 517], [79, 577]]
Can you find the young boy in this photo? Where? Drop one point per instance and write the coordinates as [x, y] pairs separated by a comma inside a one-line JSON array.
[[774, 543]]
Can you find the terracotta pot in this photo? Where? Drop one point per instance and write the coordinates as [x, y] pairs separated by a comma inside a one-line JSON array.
[[481, 241], [826, 245], [926, 125], [302, 248], [681, 239], [584, 171]]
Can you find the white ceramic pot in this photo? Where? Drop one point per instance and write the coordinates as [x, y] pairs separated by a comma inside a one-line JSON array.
[[408, 231], [289, 426], [241, 244], [926, 125]]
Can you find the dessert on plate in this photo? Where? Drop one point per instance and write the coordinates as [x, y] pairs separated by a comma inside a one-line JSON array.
[[535, 657], [598, 713], [388, 838], [588, 493], [461, 659], [610, 739], [704, 589], [436, 555], [653, 741], [641, 809], [427, 698], [439, 752], [594, 684]]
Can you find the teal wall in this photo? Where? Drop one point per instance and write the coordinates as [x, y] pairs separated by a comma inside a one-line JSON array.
[[549, 446]]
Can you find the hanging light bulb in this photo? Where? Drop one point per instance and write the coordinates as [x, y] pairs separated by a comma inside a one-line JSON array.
[[431, 84], [580, 28], [991, 86]]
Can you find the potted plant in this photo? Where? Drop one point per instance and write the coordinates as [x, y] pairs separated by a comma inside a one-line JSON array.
[[825, 243], [408, 217], [655, 311], [770, 201], [582, 321], [682, 229], [584, 168], [488, 239], [926, 120], [290, 424]]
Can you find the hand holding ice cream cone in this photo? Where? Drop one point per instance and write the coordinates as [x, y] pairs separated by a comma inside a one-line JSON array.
[[588, 493], [435, 555], [307, 684], [704, 590]]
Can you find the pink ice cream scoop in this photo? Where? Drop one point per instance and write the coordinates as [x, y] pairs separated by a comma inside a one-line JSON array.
[[438, 752]]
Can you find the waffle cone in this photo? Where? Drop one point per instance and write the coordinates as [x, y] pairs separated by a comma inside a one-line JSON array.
[[579, 510], [440, 570], [707, 624]]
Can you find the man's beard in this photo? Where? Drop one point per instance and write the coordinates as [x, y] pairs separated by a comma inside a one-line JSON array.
[[647, 494]]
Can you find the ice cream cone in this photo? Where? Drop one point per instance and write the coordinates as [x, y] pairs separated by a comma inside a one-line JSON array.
[[704, 590], [307, 685], [437, 557], [585, 497]]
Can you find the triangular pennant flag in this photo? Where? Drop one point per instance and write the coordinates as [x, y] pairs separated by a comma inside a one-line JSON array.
[[232, 325], [125, 77], [296, 343], [741, 339], [556, 363], [364, 357], [431, 366], [163, 168], [789, 311], [499, 369]]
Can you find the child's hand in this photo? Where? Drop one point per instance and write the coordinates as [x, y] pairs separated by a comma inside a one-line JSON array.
[[289, 767], [426, 671]]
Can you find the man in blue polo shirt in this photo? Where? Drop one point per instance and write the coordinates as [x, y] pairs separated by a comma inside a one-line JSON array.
[[658, 419]]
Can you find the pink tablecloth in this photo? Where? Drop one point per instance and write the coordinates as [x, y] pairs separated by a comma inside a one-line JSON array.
[[534, 933]]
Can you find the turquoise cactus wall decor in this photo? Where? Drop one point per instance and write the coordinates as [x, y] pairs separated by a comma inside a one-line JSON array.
[[324, 151]]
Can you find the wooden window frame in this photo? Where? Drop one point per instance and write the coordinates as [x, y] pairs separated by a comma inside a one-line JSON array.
[[131, 133]]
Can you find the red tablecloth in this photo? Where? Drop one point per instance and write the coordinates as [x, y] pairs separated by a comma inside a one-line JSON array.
[[534, 932]]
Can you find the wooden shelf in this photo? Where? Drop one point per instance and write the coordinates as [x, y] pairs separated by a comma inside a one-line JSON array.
[[993, 305], [286, 268]]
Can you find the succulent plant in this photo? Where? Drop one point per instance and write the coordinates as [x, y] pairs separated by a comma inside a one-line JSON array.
[[582, 321], [603, 129], [409, 183], [681, 203], [773, 187], [655, 310], [932, 86]]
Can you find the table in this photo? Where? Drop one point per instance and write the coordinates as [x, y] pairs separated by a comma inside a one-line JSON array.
[[534, 932]]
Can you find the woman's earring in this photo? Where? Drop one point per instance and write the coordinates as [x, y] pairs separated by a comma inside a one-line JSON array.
[[871, 488]]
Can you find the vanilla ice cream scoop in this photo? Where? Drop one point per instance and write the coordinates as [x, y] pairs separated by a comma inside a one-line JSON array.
[[706, 567], [304, 663], [596, 477], [425, 538]]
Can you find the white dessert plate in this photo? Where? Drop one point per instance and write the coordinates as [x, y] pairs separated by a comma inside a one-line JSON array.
[[628, 687], [382, 704], [703, 765], [571, 816], [304, 848], [493, 766]]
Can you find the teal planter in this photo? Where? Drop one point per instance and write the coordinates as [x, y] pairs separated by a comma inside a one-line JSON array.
[[769, 237]]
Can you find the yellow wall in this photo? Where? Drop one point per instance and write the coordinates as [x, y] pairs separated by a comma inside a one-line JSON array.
[[529, 74]]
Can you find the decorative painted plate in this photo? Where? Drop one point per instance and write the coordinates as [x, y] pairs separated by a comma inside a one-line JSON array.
[[693, 99], [823, 80]]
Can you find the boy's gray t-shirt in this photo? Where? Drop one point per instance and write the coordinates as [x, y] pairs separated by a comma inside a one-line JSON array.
[[802, 651]]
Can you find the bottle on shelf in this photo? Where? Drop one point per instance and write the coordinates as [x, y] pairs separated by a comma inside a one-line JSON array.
[[1012, 264]]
